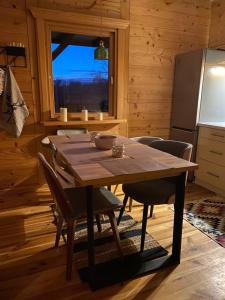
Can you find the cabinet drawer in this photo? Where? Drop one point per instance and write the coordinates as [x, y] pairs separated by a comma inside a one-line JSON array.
[[213, 151], [211, 174], [212, 134]]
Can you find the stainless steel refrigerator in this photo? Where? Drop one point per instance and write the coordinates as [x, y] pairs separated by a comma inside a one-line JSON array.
[[198, 93]]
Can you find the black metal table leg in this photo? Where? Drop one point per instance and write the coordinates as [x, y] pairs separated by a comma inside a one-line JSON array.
[[137, 264], [178, 217], [90, 229]]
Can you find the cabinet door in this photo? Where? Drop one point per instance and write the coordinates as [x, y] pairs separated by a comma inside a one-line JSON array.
[[212, 134], [186, 89], [212, 151], [213, 87], [211, 174]]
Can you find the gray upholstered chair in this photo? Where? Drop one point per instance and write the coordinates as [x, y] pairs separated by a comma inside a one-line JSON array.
[[158, 191], [71, 206], [145, 140]]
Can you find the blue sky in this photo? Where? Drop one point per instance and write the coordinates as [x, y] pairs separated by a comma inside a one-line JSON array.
[[78, 63]]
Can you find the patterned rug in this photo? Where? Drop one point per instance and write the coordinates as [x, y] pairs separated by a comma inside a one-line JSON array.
[[105, 246], [208, 216]]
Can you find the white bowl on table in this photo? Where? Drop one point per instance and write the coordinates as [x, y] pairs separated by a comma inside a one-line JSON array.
[[105, 141]]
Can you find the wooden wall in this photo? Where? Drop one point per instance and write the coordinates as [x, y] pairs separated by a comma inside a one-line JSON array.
[[217, 28], [18, 163], [159, 29]]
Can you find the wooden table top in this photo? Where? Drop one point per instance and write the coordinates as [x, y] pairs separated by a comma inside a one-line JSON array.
[[91, 166]]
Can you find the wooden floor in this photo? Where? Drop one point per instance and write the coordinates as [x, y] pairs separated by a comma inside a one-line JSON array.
[[32, 269]]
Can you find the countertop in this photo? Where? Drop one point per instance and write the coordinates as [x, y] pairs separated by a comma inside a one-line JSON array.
[[218, 125]]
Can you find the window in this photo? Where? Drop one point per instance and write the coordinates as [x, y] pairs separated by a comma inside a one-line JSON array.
[[80, 81], [65, 80]]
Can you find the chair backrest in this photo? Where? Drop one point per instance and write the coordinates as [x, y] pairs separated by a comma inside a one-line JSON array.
[[176, 148], [61, 169], [71, 131], [56, 190], [146, 140]]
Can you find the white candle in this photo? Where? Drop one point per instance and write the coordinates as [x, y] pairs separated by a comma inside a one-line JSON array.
[[63, 114], [85, 115], [100, 116]]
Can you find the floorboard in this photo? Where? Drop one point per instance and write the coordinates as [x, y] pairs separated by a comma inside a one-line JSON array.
[[30, 268]]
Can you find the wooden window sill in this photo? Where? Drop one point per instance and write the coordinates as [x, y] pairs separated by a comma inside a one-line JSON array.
[[83, 123]]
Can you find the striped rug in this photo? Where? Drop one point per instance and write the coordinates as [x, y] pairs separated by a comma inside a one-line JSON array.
[[105, 247]]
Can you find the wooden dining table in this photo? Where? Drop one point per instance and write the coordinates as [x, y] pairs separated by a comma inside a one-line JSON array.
[[92, 168]]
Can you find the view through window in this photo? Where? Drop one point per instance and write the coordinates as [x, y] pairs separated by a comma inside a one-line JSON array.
[[80, 81]]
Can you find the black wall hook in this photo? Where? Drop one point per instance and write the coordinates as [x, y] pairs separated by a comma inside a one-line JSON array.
[[13, 51]]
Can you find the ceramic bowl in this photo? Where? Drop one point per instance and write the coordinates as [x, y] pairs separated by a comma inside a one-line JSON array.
[[105, 142]]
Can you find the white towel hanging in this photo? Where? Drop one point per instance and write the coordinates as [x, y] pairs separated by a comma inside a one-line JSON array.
[[14, 110]]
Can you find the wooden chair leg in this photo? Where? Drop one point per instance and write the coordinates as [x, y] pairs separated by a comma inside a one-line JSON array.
[[116, 187], [130, 204], [98, 222], [144, 224], [116, 234], [58, 230], [151, 211], [109, 187], [70, 243], [64, 237], [122, 209]]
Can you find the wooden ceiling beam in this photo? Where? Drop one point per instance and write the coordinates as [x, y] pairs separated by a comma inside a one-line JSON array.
[[59, 50]]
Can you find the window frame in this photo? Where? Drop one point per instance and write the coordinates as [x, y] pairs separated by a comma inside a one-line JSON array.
[[51, 20], [112, 58]]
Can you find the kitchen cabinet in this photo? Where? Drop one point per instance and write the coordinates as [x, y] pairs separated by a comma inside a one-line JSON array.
[[211, 157]]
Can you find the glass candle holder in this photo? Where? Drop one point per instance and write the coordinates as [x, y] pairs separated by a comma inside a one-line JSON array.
[[118, 151]]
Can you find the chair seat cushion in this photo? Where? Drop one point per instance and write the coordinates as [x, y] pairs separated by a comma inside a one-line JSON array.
[[103, 201], [151, 192]]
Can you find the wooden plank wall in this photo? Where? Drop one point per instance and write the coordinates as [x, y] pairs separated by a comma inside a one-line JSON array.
[[159, 29], [18, 163], [217, 28]]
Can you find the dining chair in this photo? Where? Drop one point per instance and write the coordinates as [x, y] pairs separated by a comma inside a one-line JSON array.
[[158, 191], [61, 169], [46, 142], [71, 131], [66, 179], [59, 165], [145, 140], [71, 206]]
